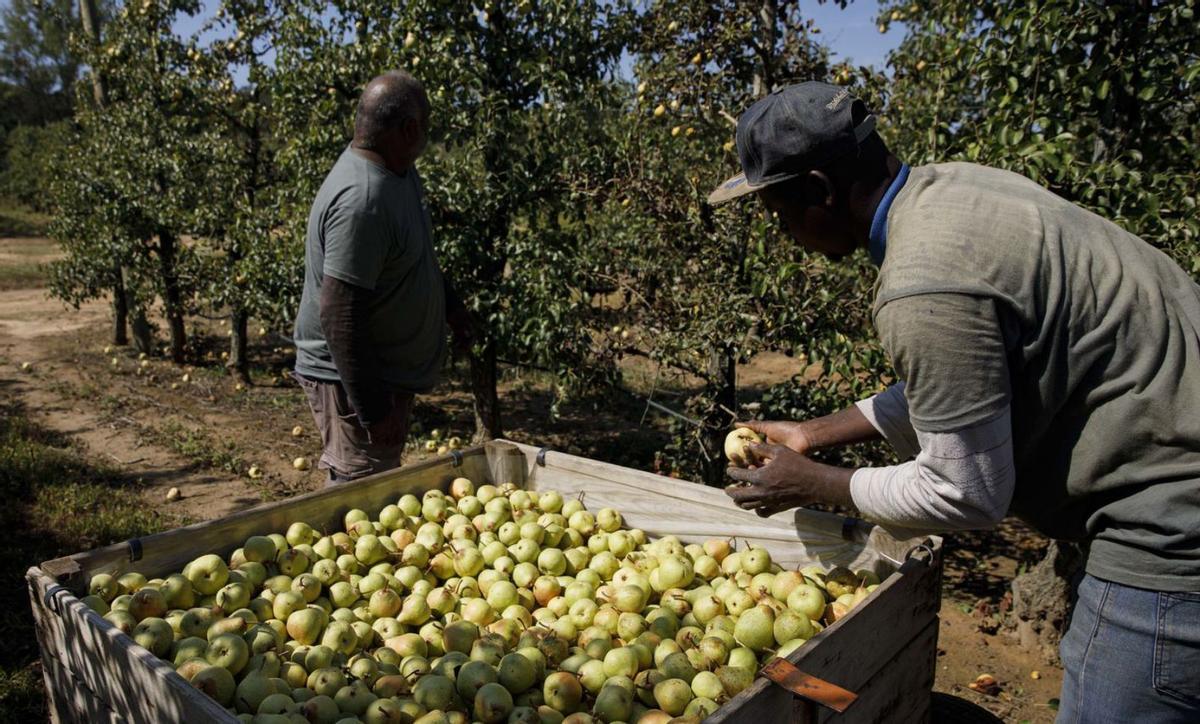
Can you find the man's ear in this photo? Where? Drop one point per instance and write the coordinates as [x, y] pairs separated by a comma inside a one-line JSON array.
[[820, 188], [410, 131]]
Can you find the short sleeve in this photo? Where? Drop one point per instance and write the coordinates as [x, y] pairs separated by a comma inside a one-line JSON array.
[[950, 351], [355, 246]]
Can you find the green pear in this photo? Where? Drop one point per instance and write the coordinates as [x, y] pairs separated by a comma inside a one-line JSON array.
[[259, 549], [433, 692], [207, 574], [326, 681], [672, 696], [217, 683], [321, 709], [562, 692], [734, 679], [229, 651], [755, 629], [354, 698], [155, 635], [103, 585], [613, 704], [678, 666], [254, 687], [492, 703], [305, 625], [517, 672]]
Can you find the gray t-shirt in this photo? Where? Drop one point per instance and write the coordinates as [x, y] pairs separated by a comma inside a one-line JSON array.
[[993, 293], [370, 227]]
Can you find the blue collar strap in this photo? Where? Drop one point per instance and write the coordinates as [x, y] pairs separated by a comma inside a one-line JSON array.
[[877, 241]]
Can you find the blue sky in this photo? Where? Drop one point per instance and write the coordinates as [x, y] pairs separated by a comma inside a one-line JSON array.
[[851, 34]]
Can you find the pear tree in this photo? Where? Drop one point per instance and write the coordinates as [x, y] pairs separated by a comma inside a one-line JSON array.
[[703, 289], [152, 143], [250, 268]]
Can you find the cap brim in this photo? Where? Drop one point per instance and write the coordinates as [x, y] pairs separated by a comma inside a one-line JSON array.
[[733, 188], [740, 186]]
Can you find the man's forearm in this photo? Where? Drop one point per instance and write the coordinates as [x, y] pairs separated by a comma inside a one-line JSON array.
[[831, 484], [846, 427], [344, 321], [454, 303]]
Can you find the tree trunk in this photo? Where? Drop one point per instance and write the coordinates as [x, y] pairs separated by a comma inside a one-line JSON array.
[[1042, 599], [143, 332], [722, 376], [90, 19], [172, 296], [239, 361], [238, 364], [120, 336], [139, 327], [768, 15], [483, 387]]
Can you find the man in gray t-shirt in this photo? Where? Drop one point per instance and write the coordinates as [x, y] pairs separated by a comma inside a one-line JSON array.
[[370, 331], [1050, 369]]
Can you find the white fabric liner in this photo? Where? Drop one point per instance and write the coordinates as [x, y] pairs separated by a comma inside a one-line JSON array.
[[665, 506]]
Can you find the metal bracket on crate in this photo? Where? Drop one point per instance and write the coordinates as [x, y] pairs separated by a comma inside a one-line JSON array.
[[456, 458], [921, 551], [785, 673], [541, 457], [50, 597], [135, 549]]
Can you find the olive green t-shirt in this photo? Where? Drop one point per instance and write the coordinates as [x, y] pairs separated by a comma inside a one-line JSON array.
[[995, 293], [371, 228]]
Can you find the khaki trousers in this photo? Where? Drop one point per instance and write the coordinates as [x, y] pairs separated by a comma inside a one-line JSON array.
[[349, 453]]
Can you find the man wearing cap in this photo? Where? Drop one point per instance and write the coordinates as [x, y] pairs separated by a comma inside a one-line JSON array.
[[1050, 369]]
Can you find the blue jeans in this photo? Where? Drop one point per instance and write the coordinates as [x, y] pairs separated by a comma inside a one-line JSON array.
[[1131, 655]]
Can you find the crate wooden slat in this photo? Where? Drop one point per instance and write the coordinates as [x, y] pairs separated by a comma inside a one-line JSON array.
[[107, 671], [888, 695], [883, 650]]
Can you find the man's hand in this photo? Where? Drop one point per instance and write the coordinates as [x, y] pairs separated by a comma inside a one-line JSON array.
[[391, 431], [786, 479], [458, 318], [460, 322], [791, 435]]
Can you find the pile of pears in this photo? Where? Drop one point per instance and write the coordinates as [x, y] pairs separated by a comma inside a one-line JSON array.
[[489, 604]]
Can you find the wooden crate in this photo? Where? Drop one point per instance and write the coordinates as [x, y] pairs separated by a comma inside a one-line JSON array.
[[883, 650]]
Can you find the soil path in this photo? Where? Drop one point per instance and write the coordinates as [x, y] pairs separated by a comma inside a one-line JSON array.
[[34, 329], [59, 394]]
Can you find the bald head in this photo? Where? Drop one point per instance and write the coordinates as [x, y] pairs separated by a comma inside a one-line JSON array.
[[390, 108]]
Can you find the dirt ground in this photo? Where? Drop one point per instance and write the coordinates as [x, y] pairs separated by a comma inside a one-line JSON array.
[[201, 434]]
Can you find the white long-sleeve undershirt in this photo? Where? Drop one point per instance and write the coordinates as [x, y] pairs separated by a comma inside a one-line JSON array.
[[958, 480]]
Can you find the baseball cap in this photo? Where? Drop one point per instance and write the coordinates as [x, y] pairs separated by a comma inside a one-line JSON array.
[[792, 131]]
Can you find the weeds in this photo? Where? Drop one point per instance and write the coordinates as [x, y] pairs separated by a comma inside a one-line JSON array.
[[57, 503], [197, 445]]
